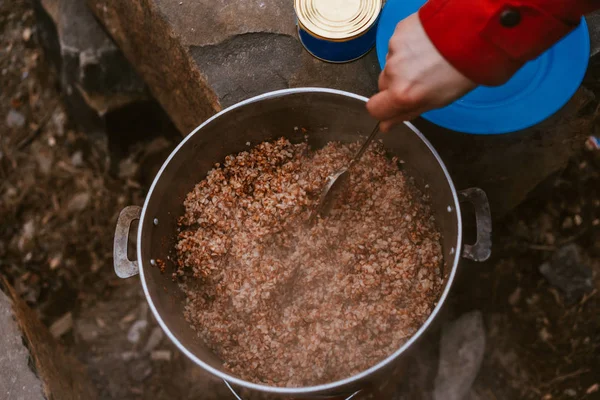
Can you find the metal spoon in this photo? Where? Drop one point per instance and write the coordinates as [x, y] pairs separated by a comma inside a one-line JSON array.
[[337, 180]]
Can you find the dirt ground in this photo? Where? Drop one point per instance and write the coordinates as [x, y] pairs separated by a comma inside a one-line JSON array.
[[59, 205], [541, 345]]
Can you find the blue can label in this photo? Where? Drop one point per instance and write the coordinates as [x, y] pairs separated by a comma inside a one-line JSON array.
[[339, 51]]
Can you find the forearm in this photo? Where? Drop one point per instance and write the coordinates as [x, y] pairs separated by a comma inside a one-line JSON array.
[[489, 40]]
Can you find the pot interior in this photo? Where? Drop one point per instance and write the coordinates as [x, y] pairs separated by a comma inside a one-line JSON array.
[[323, 115]]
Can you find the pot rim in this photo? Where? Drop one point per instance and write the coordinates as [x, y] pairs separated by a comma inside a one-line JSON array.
[[305, 390]]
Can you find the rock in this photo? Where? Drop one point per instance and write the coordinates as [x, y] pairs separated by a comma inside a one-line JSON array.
[[544, 335], [34, 366], [206, 54], [78, 202], [77, 159], [593, 389], [570, 392], [140, 369], [514, 297], [593, 21], [55, 261], [128, 168], [567, 223], [136, 330], [29, 229], [161, 355], [551, 143], [86, 330], [87, 59], [474, 395], [44, 158], [15, 119], [62, 325], [154, 339], [226, 65], [461, 355], [566, 271], [533, 299], [549, 238], [27, 235]]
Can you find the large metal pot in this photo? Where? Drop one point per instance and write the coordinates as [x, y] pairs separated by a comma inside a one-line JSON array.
[[326, 115]]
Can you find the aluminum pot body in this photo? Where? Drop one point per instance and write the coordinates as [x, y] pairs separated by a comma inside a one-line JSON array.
[[325, 115]]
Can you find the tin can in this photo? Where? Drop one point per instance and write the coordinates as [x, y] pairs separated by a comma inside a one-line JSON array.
[[337, 31]]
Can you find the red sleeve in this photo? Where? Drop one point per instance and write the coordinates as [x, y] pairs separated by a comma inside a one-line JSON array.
[[489, 40]]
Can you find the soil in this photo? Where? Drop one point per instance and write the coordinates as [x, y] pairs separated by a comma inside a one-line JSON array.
[[59, 204]]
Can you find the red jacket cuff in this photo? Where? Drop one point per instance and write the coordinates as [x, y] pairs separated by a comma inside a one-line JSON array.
[[489, 40]]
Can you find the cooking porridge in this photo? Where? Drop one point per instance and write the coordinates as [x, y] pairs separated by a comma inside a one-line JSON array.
[[287, 304]]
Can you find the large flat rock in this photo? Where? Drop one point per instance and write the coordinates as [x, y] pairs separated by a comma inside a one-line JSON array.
[[198, 56], [89, 64], [202, 55], [509, 167], [33, 365]]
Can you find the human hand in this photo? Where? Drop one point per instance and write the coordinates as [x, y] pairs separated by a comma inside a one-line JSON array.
[[416, 77]]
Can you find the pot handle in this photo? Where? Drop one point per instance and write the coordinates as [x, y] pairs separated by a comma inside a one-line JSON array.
[[124, 267], [237, 396], [482, 249]]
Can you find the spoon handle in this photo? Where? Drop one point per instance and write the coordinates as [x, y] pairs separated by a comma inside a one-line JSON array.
[[365, 146]]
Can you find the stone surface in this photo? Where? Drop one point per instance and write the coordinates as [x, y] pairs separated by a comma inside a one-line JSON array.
[[33, 365], [461, 354], [17, 380], [14, 119], [85, 56], [567, 272], [62, 325], [103, 94], [204, 55]]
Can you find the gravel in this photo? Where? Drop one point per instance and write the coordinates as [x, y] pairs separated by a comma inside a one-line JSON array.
[[15, 119], [285, 304], [136, 331]]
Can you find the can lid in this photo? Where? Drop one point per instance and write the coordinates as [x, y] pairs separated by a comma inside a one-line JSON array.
[[337, 19]]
